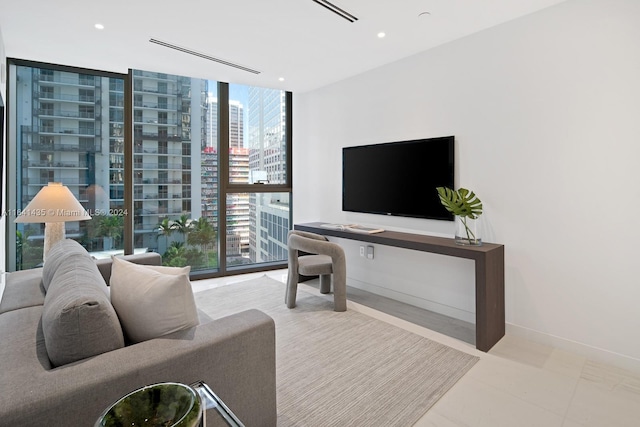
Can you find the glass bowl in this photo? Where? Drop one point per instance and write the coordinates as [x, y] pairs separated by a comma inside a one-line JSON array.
[[158, 405]]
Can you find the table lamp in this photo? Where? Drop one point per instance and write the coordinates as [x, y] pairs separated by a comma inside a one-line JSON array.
[[54, 205]]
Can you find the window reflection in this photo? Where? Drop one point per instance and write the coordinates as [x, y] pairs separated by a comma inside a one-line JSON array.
[[257, 123], [70, 128], [257, 227], [59, 117]]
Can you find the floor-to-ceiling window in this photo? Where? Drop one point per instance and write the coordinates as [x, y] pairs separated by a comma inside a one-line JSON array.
[[257, 188], [66, 126], [174, 171], [209, 170]]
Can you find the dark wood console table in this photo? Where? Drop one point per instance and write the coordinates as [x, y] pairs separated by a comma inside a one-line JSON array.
[[489, 266]]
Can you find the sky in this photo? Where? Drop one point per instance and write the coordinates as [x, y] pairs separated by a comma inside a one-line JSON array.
[[236, 92]]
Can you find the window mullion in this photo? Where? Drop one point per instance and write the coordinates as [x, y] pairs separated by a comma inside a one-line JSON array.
[[128, 164], [223, 172]]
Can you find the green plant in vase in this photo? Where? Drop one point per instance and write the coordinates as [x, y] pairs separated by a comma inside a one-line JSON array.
[[467, 207]]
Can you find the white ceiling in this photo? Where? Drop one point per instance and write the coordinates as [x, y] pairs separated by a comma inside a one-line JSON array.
[[296, 39]]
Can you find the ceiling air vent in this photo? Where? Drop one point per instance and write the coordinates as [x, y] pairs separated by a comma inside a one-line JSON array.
[[203, 55], [335, 9]]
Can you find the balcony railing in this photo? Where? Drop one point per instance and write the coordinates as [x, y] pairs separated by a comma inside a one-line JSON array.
[[66, 181], [141, 150], [66, 97], [159, 166], [90, 148], [159, 211], [155, 136], [62, 130], [139, 120], [171, 106], [67, 80], [157, 76], [67, 114], [144, 229], [156, 181], [150, 89], [53, 165]]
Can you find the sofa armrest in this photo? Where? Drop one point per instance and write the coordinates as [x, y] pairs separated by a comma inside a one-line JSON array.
[[146, 258], [234, 355]]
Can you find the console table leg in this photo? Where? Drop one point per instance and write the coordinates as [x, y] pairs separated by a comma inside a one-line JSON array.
[[490, 299]]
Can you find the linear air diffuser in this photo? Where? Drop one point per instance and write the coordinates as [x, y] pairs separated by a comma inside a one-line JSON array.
[[203, 55], [335, 9]]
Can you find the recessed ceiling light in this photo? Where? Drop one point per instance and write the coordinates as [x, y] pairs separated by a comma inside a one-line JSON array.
[[381, 35], [99, 27], [424, 14], [281, 79]]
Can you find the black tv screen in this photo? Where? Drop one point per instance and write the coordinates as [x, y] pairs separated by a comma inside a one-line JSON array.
[[398, 178]]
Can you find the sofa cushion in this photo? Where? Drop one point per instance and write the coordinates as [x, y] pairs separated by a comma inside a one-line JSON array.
[[78, 320], [22, 289], [22, 351], [151, 301], [58, 255]]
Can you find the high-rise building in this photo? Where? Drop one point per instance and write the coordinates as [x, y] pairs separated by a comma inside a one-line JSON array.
[[169, 128], [236, 123], [60, 128], [72, 131], [238, 207], [237, 204], [267, 125], [209, 179], [269, 212], [212, 122]]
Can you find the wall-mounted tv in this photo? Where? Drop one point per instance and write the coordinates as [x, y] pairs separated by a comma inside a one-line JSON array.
[[398, 178]]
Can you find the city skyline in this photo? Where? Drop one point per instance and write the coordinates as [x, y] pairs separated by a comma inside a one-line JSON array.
[[72, 130]]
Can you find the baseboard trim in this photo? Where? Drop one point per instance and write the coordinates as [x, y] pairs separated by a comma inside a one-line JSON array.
[[592, 353], [416, 301]]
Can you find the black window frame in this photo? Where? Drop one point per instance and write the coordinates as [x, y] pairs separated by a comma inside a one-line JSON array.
[[225, 187]]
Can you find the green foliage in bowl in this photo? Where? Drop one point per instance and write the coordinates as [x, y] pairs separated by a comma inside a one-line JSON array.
[[157, 405]]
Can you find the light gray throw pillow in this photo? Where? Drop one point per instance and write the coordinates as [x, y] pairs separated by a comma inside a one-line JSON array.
[[151, 301], [78, 320]]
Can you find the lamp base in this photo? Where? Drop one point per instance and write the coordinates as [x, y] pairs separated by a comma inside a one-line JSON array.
[[53, 233]]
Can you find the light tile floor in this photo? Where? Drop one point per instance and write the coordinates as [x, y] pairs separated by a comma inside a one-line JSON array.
[[517, 384]]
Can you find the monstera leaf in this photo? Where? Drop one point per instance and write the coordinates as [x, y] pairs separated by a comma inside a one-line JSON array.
[[463, 203]]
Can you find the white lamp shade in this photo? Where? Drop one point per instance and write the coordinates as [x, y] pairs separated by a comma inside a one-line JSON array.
[[53, 203]]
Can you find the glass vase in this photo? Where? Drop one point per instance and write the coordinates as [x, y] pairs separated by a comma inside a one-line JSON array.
[[467, 231]]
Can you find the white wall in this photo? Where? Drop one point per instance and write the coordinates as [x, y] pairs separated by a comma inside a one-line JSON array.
[[3, 62], [545, 110]]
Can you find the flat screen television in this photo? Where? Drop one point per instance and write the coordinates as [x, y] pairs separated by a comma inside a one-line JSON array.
[[398, 178]]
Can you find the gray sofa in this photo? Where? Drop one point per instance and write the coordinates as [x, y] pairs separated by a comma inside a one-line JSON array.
[[235, 355]]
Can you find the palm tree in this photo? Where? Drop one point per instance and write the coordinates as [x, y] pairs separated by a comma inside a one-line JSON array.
[[183, 225], [28, 254], [20, 241], [202, 234], [111, 226], [165, 228], [175, 255]]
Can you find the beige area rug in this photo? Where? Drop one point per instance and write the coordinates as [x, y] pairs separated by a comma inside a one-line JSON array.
[[343, 369]]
